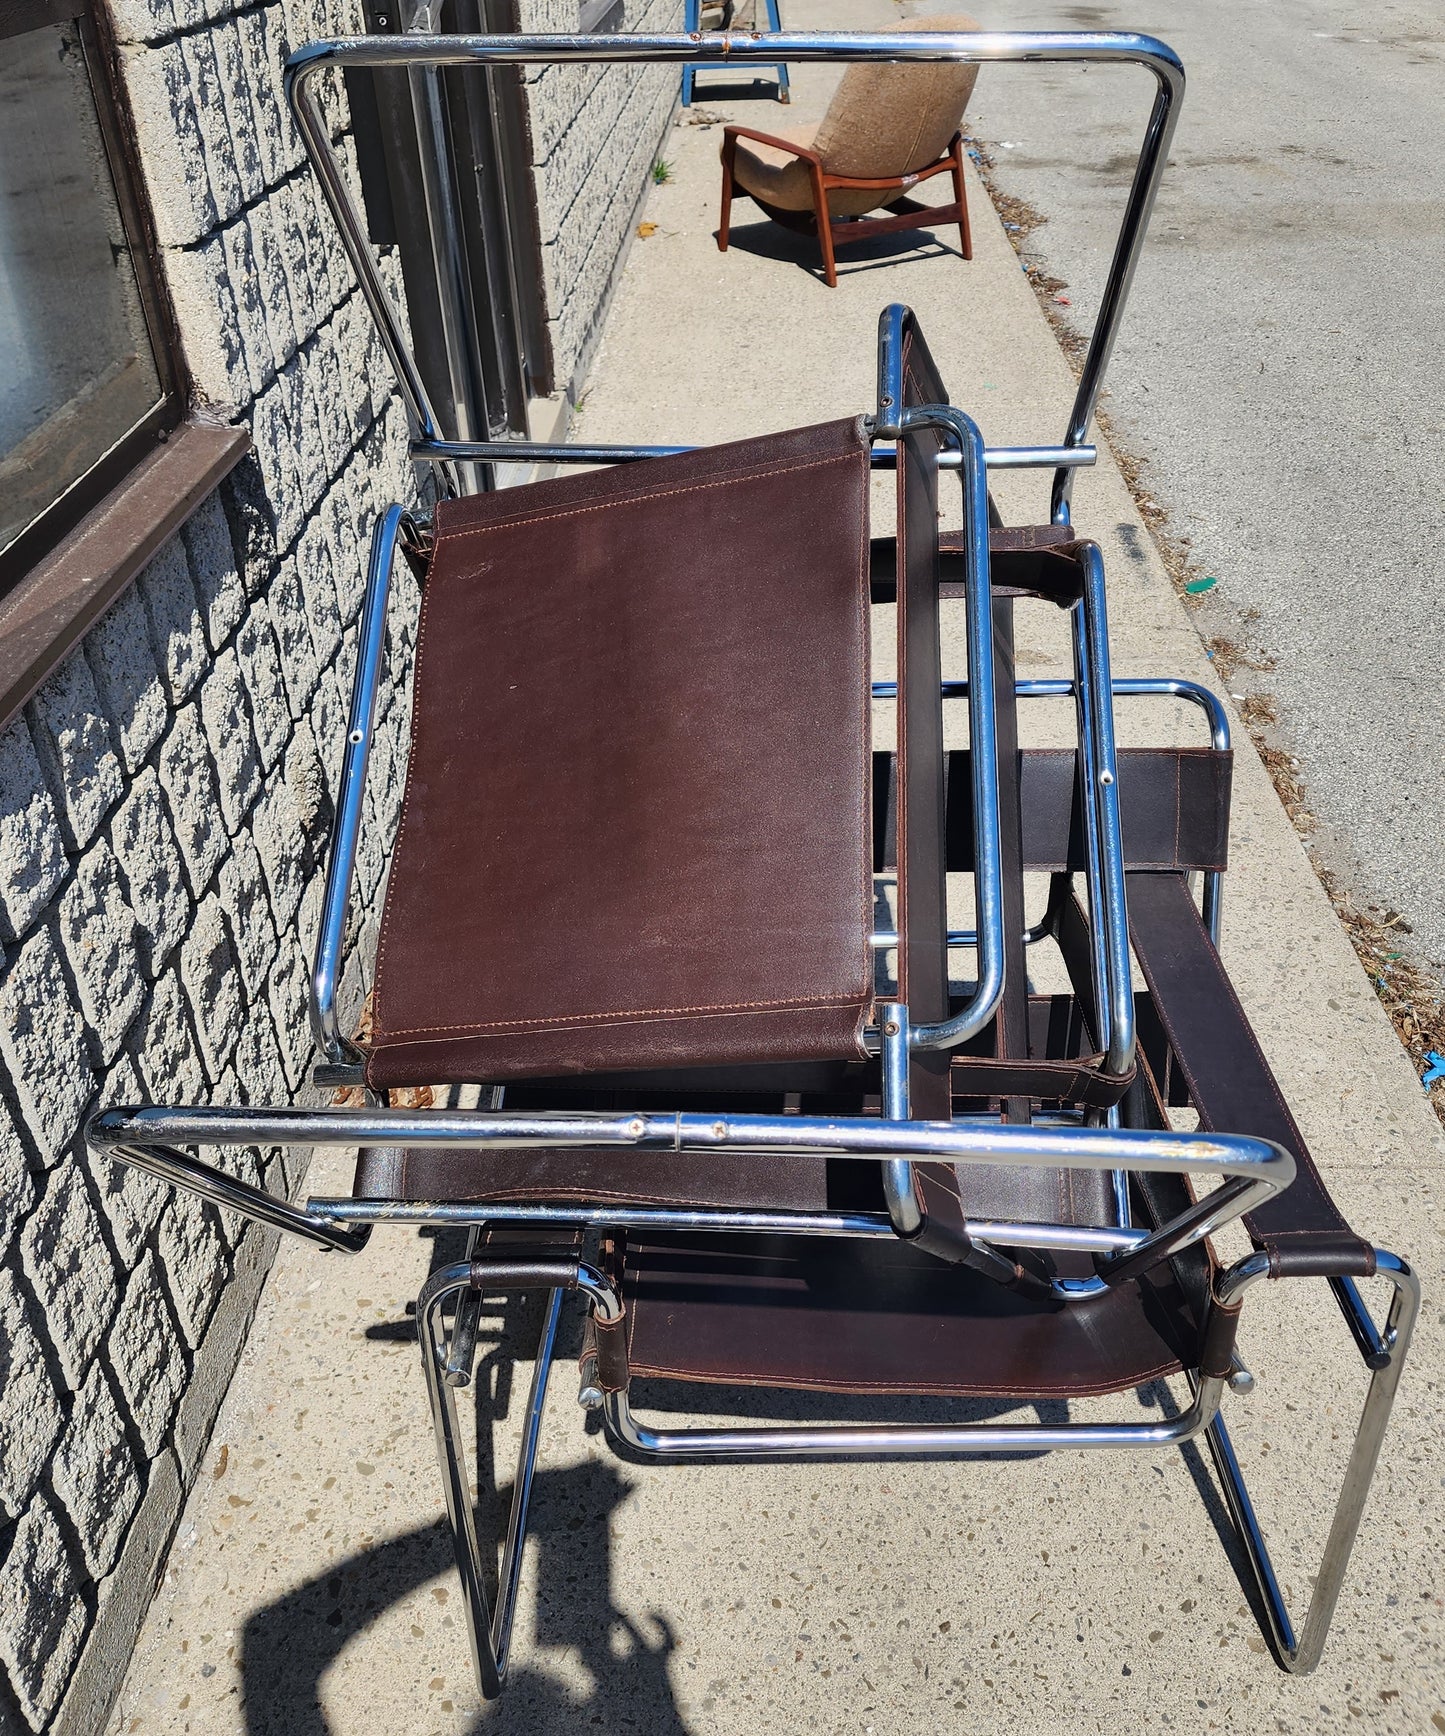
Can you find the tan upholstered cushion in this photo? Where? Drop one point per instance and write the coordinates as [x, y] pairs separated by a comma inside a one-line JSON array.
[[892, 119], [884, 120], [786, 182]]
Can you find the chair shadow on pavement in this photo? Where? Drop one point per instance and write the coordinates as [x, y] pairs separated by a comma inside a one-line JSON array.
[[288, 1646], [769, 240]]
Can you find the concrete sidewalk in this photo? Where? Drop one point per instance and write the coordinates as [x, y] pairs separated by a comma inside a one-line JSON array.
[[310, 1589]]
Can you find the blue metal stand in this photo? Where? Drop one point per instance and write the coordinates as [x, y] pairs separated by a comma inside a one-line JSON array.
[[692, 22]]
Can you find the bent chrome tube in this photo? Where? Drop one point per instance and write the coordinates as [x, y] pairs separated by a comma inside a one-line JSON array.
[[1253, 1169], [489, 1632], [882, 457], [1057, 1238], [969, 47], [1299, 1655], [209, 1183], [960, 1440], [1131, 687], [900, 1185], [982, 722], [346, 829], [1124, 687], [1110, 919]]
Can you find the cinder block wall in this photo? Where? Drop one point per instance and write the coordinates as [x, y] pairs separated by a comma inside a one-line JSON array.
[[596, 132], [165, 801], [163, 805]]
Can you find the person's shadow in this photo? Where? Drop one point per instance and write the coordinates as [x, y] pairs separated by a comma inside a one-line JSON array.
[[287, 1647]]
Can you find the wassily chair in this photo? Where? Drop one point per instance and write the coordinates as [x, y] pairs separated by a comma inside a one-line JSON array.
[[649, 871]]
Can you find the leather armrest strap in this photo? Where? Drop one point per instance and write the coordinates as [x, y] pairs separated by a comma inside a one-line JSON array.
[[1230, 1082]]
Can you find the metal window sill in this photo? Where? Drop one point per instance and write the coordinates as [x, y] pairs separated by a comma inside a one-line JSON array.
[[63, 596]]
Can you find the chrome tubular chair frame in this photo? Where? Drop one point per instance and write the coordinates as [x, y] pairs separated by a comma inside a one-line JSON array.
[[1254, 1171], [148, 1139], [490, 1629], [425, 55]]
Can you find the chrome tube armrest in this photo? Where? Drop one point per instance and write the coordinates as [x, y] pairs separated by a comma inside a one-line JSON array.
[[1253, 1170], [105, 1133], [346, 830]]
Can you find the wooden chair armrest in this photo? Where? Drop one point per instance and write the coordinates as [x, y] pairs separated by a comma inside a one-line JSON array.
[[791, 146]]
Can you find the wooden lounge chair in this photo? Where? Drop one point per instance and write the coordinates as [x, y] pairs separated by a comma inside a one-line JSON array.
[[888, 129]]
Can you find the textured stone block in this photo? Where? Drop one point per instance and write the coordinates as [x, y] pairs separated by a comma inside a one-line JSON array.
[[306, 779], [227, 718], [247, 905], [131, 1200], [263, 75], [259, 657], [145, 846], [370, 856], [253, 524], [235, 87], [283, 849], [198, 50], [276, 449], [329, 715], [118, 650], [318, 591], [69, 1269], [299, 234], [270, 256], [293, 636], [168, 136], [32, 846], [348, 555], [351, 330], [167, 1053], [30, 1414], [175, 617], [72, 741], [259, 1067], [142, 20], [379, 375], [287, 997], [146, 1354], [96, 1475], [194, 1254], [42, 1042], [17, 1182], [209, 321], [212, 984], [97, 929], [42, 1617], [386, 774], [195, 804], [278, 51], [241, 268], [206, 537], [313, 461], [324, 388]]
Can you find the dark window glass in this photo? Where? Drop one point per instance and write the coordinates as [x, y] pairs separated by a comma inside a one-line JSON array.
[[83, 380]]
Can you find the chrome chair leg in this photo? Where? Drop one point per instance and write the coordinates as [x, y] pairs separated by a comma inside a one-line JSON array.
[[462, 1350], [489, 1630], [1299, 1655]]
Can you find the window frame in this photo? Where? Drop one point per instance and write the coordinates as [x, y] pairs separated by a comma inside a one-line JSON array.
[[117, 132]]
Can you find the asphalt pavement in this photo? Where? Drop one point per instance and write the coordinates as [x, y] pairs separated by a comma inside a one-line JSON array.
[[1280, 368]]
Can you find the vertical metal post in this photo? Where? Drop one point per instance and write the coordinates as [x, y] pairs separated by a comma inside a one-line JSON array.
[[900, 1187], [345, 832], [444, 225]]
